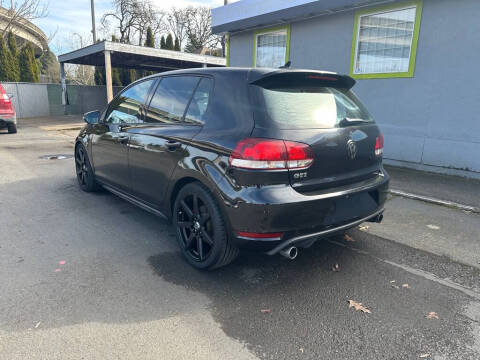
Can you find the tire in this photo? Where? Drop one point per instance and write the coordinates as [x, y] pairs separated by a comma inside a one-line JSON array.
[[84, 171], [12, 128], [201, 231]]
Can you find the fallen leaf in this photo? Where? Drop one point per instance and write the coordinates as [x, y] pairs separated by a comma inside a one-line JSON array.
[[392, 281], [433, 227], [63, 262], [405, 286], [37, 325], [358, 306], [349, 238], [301, 350], [395, 286], [336, 268], [432, 315], [364, 227], [424, 356], [265, 311]]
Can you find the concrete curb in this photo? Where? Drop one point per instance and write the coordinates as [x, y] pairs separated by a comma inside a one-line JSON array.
[[431, 200]]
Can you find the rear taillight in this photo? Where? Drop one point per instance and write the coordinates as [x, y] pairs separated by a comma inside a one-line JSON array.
[[5, 99], [379, 145], [265, 154]]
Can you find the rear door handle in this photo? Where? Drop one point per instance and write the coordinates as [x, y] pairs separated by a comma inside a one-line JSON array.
[[173, 145]]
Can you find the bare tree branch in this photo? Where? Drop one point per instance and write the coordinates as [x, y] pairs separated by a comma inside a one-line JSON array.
[[199, 30], [177, 23]]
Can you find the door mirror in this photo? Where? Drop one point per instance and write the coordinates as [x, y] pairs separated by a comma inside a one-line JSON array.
[[91, 117]]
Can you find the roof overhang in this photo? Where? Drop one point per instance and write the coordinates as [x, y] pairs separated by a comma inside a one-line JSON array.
[[138, 57], [249, 14]]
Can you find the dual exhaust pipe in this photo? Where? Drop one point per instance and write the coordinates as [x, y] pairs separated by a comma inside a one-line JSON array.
[[292, 252], [376, 219]]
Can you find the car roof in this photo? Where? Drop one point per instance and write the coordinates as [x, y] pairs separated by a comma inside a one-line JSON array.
[[250, 74]]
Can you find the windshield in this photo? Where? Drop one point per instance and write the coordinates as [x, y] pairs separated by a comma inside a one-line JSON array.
[[309, 107]]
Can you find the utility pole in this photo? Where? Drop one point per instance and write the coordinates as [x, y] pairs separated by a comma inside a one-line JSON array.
[[225, 2], [94, 33]]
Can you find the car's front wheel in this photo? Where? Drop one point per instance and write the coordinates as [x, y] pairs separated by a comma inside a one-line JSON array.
[[200, 228], [85, 175]]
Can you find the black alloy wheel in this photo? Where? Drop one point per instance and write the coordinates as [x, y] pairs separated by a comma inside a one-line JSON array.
[[85, 175], [200, 229]]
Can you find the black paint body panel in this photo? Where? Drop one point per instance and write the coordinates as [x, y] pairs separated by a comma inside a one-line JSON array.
[[338, 191]]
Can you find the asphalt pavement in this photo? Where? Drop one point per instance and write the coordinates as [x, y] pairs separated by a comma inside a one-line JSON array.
[[90, 276]]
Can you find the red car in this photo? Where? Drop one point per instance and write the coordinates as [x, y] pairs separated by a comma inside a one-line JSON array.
[[8, 118]]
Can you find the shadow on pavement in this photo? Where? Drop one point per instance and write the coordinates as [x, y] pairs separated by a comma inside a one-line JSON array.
[[298, 309]]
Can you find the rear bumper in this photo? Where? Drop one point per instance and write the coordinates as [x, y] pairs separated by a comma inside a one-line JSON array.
[[300, 217], [301, 239]]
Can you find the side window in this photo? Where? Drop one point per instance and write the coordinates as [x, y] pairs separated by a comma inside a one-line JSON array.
[[171, 98], [199, 104], [126, 108]]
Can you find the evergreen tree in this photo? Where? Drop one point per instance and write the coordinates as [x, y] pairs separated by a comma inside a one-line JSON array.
[[169, 42], [26, 67], [127, 76], [33, 62], [150, 40], [49, 66], [4, 60], [162, 42], [177, 45], [14, 66], [99, 75], [116, 81]]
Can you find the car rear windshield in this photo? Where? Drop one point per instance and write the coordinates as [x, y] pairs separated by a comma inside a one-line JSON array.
[[308, 107]]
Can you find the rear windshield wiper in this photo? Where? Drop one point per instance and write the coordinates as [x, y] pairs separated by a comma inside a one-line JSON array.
[[346, 121]]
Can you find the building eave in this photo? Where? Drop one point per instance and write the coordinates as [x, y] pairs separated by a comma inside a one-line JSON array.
[[249, 14]]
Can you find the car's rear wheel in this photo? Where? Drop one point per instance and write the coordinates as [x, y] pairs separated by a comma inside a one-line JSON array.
[[12, 128], [85, 175], [200, 228]]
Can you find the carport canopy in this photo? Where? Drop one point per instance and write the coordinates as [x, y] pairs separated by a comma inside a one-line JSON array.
[[113, 54]]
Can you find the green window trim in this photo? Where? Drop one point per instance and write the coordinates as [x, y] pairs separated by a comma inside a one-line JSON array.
[[413, 52], [269, 30], [227, 50]]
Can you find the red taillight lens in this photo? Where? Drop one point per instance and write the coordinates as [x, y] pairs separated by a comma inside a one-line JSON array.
[[379, 145], [5, 99], [258, 153], [250, 235], [299, 155]]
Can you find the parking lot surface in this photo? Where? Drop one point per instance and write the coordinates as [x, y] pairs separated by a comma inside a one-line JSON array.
[[90, 276]]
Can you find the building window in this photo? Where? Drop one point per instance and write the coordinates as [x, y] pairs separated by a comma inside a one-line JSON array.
[[271, 47], [385, 41]]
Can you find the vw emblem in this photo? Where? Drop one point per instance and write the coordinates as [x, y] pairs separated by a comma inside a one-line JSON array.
[[351, 149]]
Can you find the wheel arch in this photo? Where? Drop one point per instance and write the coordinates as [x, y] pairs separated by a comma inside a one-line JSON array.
[[190, 178], [179, 184]]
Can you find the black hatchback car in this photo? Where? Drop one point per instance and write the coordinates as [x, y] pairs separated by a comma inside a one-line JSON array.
[[270, 159]]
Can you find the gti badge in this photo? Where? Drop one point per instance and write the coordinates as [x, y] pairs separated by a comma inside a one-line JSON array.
[[351, 149], [300, 175]]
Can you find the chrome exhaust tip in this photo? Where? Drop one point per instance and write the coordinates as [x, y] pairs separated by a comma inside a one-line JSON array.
[[376, 219], [290, 253]]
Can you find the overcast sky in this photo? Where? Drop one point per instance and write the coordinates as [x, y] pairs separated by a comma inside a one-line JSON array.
[[73, 16]]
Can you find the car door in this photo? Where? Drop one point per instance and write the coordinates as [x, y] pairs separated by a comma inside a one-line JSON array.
[[172, 119], [111, 135]]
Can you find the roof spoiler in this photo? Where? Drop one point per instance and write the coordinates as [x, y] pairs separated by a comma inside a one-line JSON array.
[[280, 78]]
